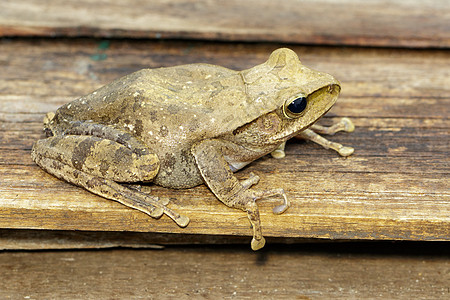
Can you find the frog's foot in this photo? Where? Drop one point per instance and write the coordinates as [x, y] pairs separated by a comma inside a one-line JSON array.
[[234, 193], [256, 194], [251, 196], [246, 200], [312, 134]]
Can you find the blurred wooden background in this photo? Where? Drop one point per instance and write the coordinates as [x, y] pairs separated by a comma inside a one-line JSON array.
[[393, 63]]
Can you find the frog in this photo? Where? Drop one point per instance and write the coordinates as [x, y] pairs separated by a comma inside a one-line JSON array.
[[182, 126]]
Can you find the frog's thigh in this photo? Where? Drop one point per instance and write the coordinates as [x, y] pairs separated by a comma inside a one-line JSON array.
[[99, 157]]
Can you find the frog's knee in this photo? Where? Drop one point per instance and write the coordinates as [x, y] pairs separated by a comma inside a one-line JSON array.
[[147, 166]]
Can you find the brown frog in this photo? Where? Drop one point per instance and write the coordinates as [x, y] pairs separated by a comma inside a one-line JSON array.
[[182, 126]]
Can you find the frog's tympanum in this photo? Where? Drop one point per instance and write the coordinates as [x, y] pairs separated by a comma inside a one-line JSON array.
[[182, 126]]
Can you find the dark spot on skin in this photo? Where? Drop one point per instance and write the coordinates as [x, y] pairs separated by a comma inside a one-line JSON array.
[[168, 163], [124, 108], [147, 169], [163, 131], [137, 102], [153, 116], [54, 142], [138, 127], [173, 109], [93, 182], [123, 138], [217, 89], [122, 155], [104, 166], [81, 152], [116, 121], [140, 151], [56, 166], [48, 132], [183, 154]]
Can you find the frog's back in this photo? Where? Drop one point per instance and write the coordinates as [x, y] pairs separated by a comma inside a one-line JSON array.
[[187, 102]]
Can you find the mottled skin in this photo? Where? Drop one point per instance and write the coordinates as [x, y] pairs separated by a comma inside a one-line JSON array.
[[181, 126]]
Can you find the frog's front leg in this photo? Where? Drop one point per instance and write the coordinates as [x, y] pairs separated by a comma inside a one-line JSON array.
[[313, 134], [98, 164], [210, 156]]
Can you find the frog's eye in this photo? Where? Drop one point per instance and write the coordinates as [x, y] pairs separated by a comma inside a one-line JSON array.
[[295, 108]]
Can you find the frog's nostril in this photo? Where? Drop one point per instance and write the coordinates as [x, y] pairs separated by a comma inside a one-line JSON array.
[[333, 88]]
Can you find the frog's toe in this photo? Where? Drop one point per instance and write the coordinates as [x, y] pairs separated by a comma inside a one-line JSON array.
[[258, 244], [278, 153], [346, 151], [163, 201], [348, 125], [156, 212], [279, 209], [182, 221]]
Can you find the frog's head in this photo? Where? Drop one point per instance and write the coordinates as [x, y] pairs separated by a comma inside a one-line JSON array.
[[293, 96]]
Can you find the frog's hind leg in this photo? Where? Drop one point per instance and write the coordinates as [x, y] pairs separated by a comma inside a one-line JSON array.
[[97, 164], [313, 134]]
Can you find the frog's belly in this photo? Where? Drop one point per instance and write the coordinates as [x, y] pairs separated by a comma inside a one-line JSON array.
[[178, 170]]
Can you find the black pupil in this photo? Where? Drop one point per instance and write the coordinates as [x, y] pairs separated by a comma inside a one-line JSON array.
[[298, 105]]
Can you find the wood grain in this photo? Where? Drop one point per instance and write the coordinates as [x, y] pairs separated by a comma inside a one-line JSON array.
[[319, 271], [395, 186], [411, 23]]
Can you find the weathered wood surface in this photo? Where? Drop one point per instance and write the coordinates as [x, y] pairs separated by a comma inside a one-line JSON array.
[[34, 239], [395, 186], [411, 23], [351, 271]]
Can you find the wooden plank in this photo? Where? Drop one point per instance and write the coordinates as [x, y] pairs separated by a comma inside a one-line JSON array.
[[318, 271], [395, 186], [24, 239], [411, 23]]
